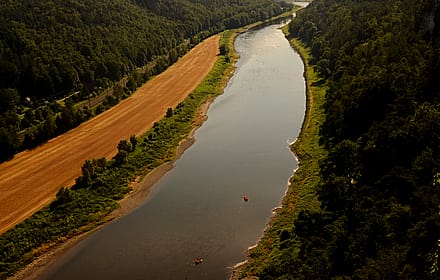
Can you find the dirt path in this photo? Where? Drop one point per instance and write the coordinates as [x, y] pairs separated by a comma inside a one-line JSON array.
[[31, 180]]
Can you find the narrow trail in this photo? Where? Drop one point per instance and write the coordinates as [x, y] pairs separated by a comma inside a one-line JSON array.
[[32, 178]]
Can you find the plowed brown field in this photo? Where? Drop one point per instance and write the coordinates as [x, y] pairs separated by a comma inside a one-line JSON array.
[[32, 178]]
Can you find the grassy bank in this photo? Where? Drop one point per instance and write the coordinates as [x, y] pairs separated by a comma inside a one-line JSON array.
[[269, 254], [104, 183]]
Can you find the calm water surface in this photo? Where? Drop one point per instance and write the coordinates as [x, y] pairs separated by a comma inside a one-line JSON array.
[[197, 209]]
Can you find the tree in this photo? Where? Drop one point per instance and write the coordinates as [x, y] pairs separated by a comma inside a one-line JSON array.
[[133, 141], [8, 99], [169, 113]]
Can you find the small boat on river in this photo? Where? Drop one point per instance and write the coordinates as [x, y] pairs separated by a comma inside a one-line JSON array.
[[245, 198]]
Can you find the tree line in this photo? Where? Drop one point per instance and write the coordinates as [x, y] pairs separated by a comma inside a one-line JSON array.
[[57, 48], [379, 190]]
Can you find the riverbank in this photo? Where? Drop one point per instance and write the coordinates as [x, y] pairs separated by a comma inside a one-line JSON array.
[[300, 190], [141, 188], [197, 103]]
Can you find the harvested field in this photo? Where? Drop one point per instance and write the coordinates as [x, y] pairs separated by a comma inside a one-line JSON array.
[[32, 178]]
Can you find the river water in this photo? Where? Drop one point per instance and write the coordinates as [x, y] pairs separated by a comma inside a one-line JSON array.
[[197, 209]]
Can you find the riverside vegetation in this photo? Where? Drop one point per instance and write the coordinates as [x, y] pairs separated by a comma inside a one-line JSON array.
[[64, 61], [365, 201], [104, 182]]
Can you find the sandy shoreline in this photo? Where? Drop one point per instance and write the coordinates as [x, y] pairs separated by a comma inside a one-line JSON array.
[[134, 199]]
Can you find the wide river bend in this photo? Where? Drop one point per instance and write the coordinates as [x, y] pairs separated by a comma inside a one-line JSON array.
[[197, 209]]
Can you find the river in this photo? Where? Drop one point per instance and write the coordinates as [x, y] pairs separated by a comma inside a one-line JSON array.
[[197, 209]]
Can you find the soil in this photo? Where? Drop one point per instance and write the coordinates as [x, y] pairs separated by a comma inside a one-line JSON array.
[[32, 178]]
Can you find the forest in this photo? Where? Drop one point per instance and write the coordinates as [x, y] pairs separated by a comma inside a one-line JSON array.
[[57, 56], [379, 183]]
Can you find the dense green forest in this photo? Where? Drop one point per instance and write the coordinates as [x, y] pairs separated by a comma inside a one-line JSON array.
[[55, 53], [379, 190]]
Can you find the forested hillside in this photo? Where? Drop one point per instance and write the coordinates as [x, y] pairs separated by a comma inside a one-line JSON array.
[[57, 48], [380, 183]]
